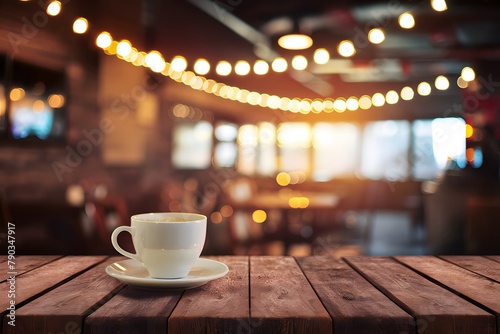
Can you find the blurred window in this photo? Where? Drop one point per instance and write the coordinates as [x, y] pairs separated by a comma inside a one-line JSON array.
[[336, 148], [385, 149], [226, 150], [294, 141], [267, 149], [192, 147], [248, 139]]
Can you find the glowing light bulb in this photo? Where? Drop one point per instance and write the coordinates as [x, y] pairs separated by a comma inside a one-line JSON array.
[[439, 5], [201, 66], [80, 25], [321, 56], [54, 8], [392, 97], [242, 67], [223, 68], [123, 48], [261, 67], [406, 20], [104, 40], [279, 65], [407, 93], [468, 74], [178, 64], [424, 88], [442, 83], [376, 36], [346, 49], [299, 63]]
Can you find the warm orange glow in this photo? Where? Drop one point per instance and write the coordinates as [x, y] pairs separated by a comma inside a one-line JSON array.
[[226, 211], [80, 25], [17, 94], [38, 106], [321, 56], [54, 8], [299, 62], [104, 40], [469, 154], [406, 20], [283, 179], [259, 216], [346, 49], [298, 202], [295, 42], [261, 67], [223, 68], [56, 101], [201, 66], [339, 105], [279, 65], [178, 64], [469, 130], [376, 36], [216, 217]]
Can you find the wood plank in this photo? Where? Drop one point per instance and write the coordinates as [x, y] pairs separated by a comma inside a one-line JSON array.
[[494, 257], [24, 263], [481, 265], [64, 308], [474, 287], [45, 277], [282, 300], [355, 305], [134, 310], [220, 306], [435, 309]]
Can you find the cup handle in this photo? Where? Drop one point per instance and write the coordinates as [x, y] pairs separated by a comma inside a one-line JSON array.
[[114, 241]]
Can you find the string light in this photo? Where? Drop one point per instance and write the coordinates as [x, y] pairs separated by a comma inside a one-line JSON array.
[[321, 56], [406, 20], [201, 66], [439, 5], [299, 62], [376, 35], [154, 60], [54, 8], [80, 25], [346, 49], [279, 65]]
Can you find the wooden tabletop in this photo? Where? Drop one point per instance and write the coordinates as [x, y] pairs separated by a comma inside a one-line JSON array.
[[407, 294]]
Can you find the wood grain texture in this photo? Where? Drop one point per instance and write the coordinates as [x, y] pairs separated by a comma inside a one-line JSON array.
[[63, 308], [494, 257], [24, 263], [282, 300], [435, 309], [481, 265], [220, 306], [474, 287], [354, 304], [47, 276], [134, 310]]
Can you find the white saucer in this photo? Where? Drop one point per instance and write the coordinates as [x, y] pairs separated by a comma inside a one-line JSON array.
[[134, 273]]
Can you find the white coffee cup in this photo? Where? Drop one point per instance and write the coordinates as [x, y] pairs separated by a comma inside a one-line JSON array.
[[166, 243]]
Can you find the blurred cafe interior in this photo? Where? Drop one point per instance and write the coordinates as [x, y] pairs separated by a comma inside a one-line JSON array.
[[297, 127]]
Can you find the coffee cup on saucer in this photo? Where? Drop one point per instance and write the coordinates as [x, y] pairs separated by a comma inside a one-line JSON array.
[[166, 243]]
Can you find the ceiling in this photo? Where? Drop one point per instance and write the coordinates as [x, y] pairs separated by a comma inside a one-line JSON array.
[[468, 33]]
